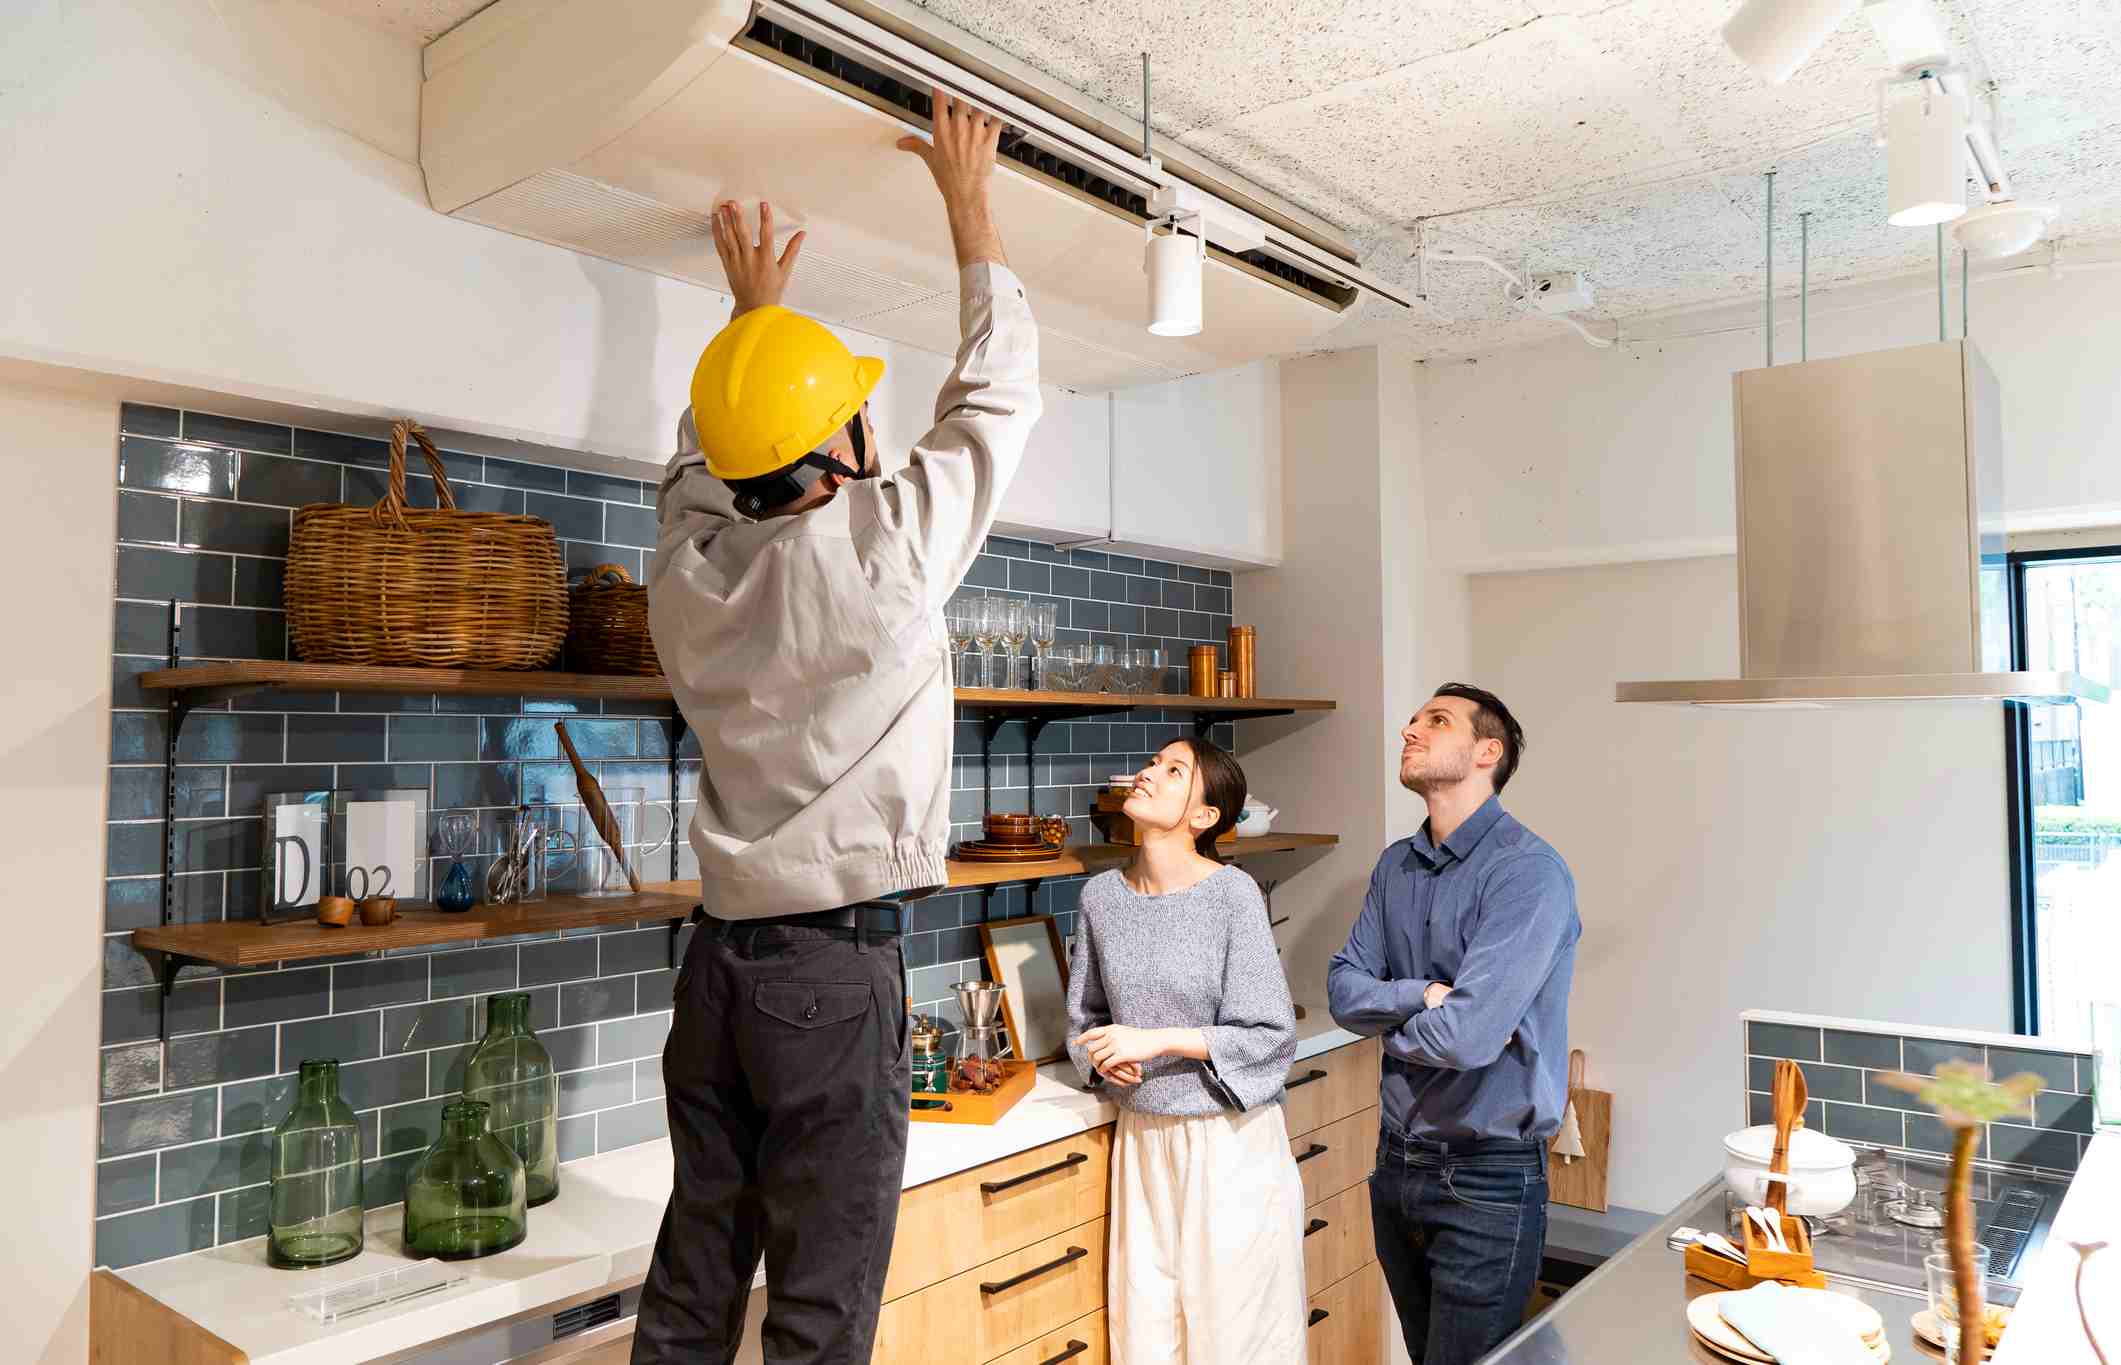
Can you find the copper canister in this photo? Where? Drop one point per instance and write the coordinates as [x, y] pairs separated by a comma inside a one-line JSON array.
[[1244, 659], [1226, 686], [1203, 666]]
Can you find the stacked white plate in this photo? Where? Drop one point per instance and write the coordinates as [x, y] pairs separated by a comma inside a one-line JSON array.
[[1724, 1341]]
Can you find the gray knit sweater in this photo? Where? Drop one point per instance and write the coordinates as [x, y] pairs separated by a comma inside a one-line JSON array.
[[1199, 958]]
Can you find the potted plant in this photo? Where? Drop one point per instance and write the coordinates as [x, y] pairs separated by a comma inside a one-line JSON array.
[[1965, 1099]]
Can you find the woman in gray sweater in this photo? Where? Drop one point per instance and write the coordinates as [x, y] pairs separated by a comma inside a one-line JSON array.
[[1177, 1006]]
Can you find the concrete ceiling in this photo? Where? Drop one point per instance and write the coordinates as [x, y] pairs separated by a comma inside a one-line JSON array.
[[1619, 139]]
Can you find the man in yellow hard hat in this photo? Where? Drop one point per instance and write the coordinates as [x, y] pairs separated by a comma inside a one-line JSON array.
[[796, 601]]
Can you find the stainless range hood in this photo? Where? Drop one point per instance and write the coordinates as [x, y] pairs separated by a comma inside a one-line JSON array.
[[1870, 539]]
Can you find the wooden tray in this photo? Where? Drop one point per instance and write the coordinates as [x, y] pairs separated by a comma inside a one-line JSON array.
[[960, 1107], [1792, 1265], [1722, 1270]]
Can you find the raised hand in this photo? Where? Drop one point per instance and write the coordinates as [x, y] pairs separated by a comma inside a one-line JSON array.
[[960, 155], [755, 277]]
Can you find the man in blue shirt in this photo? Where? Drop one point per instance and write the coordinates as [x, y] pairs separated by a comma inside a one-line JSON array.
[[1460, 962]]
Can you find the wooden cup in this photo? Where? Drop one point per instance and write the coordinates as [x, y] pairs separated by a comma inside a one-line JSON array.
[[378, 911], [335, 912]]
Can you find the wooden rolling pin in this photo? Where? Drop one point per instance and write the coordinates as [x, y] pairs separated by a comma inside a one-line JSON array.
[[599, 809]]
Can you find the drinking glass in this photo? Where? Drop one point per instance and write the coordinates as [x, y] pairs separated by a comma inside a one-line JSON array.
[[987, 623], [2106, 1064], [961, 619], [1944, 1291], [1104, 668], [1152, 662], [1072, 666], [1016, 619], [1045, 616]]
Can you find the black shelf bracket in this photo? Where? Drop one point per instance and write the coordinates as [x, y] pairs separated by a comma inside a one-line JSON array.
[[181, 705], [676, 726]]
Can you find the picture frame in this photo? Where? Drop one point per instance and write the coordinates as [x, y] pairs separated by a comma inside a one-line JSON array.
[[1025, 956], [379, 839], [294, 866]]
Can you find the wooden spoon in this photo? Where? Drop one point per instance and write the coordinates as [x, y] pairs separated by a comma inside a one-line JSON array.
[[1788, 1109]]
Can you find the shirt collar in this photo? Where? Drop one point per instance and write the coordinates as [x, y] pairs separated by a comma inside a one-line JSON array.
[[1463, 839]]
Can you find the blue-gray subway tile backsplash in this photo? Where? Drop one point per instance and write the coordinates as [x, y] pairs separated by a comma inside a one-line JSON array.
[[1881, 1114], [205, 517]]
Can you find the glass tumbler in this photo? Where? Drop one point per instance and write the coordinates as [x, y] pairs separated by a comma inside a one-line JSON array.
[[1104, 669], [315, 1218], [1944, 1292]]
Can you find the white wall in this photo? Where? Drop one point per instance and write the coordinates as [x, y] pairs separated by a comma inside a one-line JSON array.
[[190, 227], [59, 452], [1843, 861], [1857, 856], [1558, 453]]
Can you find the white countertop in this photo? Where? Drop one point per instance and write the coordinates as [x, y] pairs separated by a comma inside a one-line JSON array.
[[601, 1230], [2044, 1327]]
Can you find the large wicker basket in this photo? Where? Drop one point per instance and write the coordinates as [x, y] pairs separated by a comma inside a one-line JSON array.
[[440, 588], [607, 625]]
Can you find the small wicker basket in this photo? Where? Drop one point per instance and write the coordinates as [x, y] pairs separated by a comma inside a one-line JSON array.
[[435, 588], [607, 625]]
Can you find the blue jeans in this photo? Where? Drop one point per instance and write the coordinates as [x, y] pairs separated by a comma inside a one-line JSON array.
[[1460, 1228]]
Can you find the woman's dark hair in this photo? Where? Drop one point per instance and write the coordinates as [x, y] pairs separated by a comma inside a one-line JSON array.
[[1222, 785]]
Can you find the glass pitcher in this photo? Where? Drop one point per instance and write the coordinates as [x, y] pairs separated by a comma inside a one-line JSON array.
[[316, 1176]]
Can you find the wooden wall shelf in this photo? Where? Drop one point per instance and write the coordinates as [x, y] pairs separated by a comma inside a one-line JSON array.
[[205, 683], [247, 943]]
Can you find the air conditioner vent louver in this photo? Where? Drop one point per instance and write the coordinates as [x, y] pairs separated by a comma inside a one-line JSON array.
[[583, 1316]]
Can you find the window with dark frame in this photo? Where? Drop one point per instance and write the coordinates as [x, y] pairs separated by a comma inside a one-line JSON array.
[[2063, 769]]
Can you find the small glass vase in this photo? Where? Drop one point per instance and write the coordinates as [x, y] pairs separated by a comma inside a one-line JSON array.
[[465, 1197], [315, 1218], [512, 1073]]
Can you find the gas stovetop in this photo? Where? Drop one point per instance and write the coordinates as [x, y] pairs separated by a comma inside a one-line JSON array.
[[1882, 1237]]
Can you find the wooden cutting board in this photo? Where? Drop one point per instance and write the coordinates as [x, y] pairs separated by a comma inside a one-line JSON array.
[[1580, 1182]]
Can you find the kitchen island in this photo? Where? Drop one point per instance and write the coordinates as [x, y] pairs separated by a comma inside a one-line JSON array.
[[1633, 1308]]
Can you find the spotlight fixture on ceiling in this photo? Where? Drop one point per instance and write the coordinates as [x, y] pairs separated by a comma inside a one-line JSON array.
[[1775, 37], [1553, 296], [1996, 230], [1925, 151], [1173, 260]]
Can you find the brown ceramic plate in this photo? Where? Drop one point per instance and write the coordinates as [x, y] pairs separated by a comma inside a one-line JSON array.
[[985, 852]]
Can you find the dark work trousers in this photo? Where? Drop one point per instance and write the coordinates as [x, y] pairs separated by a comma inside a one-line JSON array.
[[1460, 1231], [786, 1071]]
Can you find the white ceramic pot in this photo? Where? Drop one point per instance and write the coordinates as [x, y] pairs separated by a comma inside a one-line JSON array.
[[1822, 1176], [1258, 819]]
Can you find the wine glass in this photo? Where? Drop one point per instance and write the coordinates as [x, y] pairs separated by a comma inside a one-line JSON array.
[[990, 621], [1016, 618], [961, 619], [1045, 616]]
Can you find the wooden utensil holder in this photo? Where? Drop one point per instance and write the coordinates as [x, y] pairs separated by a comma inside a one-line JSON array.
[[1766, 1263], [1722, 1270]]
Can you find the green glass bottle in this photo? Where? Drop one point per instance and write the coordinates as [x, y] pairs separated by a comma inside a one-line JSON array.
[[316, 1176], [512, 1072], [465, 1198]]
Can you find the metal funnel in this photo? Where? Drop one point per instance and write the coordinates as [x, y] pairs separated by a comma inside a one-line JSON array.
[[981, 1002]]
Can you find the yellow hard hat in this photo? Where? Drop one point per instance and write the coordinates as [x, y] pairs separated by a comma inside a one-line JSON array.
[[770, 388]]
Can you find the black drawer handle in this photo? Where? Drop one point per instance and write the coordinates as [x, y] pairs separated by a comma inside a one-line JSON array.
[[995, 1287], [1317, 1225], [1075, 1348], [997, 1186], [1316, 1150], [1314, 1074], [1318, 1315]]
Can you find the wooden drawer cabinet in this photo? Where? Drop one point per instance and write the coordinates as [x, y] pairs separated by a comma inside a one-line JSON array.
[[950, 1225], [1081, 1342], [1337, 1156], [998, 1307], [1347, 1320], [1338, 1238], [1331, 1086]]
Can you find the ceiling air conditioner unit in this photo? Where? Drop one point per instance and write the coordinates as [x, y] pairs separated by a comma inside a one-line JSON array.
[[614, 130]]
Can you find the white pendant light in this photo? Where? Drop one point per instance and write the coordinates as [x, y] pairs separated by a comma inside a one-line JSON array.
[[1775, 37], [1925, 150], [1173, 263], [2005, 229]]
